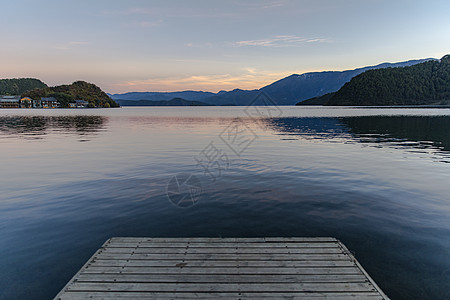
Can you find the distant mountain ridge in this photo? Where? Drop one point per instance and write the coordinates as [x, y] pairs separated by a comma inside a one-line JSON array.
[[172, 102], [159, 96], [286, 91]]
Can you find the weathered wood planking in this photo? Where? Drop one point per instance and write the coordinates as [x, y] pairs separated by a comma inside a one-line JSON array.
[[229, 268]]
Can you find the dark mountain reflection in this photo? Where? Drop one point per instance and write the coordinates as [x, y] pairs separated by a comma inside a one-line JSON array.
[[422, 131], [413, 132], [39, 126], [309, 128]]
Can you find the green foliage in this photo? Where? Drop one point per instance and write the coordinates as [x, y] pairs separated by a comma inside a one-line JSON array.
[[321, 100], [427, 83], [18, 86], [79, 90]]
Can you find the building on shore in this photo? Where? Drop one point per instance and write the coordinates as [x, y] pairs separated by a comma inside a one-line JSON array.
[[36, 103], [81, 103], [9, 101], [27, 102], [49, 102], [45, 102], [78, 104]]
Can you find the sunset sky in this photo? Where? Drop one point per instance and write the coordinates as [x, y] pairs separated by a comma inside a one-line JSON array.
[[211, 45]]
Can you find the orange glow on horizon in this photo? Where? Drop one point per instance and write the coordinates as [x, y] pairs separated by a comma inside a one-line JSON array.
[[211, 83]]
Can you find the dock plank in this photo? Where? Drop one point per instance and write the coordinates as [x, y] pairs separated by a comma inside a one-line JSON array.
[[223, 270], [232, 268], [228, 256], [226, 240], [222, 263], [221, 287], [221, 295], [234, 250], [218, 278], [125, 244]]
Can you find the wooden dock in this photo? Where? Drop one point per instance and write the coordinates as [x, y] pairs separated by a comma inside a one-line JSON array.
[[229, 268]]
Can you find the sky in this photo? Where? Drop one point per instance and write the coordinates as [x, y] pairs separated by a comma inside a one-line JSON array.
[[211, 45]]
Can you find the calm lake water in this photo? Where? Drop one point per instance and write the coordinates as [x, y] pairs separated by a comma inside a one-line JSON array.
[[378, 179]]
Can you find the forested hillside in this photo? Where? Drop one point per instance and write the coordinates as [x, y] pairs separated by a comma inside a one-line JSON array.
[[18, 86], [77, 90], [426, 83]]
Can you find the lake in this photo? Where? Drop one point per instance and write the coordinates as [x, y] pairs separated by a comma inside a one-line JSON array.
[[376, 178]]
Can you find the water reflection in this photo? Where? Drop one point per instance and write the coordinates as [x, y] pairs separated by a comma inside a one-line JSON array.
[[309, 128], [393, 212], [412, 131], [417, 133], [36, 127]]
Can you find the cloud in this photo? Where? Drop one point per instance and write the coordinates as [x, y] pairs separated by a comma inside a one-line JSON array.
[[129, 11], [187, 10], [279, 41], [274, 4], [147, 24], [142, 24], [70, 45], [260, 5], [136, 17], [199, 45], [246, 78]]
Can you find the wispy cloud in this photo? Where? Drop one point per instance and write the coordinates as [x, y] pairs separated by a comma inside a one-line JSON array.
[[137, 17], [188, 11], [130, 11], [260, 5], [274, 4], [148, 24], [199, 45], [279, 41], [70, 45], [141, 24], [245, 78]]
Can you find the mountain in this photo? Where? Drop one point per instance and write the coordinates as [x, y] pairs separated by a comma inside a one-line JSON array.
[[18, 86], [158, 96], [172, 102], [295, 88], [234, 97], [286, 91], [427, 83], [77, 90]]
